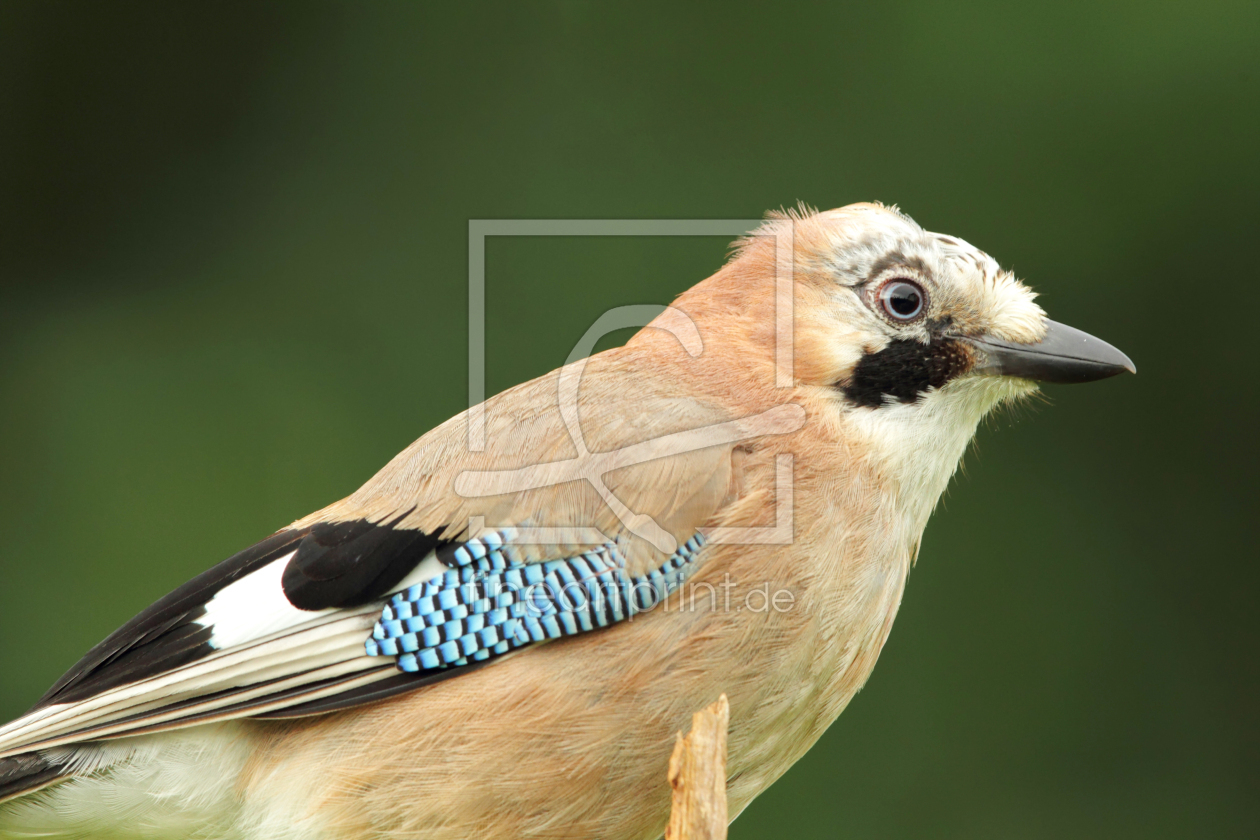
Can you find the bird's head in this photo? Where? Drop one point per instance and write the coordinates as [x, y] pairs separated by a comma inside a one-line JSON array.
[[909, 336], [889, 313]]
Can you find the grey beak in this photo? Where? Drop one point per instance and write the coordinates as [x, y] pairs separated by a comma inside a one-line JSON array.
[[1064, 355]]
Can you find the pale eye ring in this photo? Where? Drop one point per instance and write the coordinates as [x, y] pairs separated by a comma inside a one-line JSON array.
[[902, 300]]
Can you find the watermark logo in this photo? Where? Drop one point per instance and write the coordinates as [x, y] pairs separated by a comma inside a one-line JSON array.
[[592, 467]]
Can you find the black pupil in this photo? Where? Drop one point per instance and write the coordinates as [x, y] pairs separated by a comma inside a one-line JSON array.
[[904, 299]]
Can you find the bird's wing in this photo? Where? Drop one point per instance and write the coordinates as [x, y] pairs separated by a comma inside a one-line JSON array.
[[449, 557]]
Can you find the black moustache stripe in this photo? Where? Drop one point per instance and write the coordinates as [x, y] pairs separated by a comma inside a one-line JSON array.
[[905, 370]]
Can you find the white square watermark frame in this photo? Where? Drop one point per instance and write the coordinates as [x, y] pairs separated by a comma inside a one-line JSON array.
[[480, 229]]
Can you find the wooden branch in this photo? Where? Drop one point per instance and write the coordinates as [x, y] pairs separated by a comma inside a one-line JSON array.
[[697, 774]]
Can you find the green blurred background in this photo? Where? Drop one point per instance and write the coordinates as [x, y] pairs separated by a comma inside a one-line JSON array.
[[233, 249]]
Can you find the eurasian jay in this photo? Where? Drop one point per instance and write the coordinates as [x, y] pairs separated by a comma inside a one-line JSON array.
[[500, 633]]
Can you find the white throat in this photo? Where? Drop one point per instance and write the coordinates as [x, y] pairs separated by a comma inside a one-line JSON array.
[[920, 444]]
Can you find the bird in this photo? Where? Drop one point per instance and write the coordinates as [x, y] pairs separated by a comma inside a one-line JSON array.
[[500, 633]]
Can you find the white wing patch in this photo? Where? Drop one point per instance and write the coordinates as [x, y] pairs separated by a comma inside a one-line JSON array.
[[255, 606]]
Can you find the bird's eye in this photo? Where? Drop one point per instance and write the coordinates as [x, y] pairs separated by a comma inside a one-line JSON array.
[[903, 300]]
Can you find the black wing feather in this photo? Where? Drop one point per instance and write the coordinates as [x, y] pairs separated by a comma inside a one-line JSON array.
[[348, 564]]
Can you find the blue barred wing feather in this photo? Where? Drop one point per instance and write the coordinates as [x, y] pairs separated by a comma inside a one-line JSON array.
[[489, 602]]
